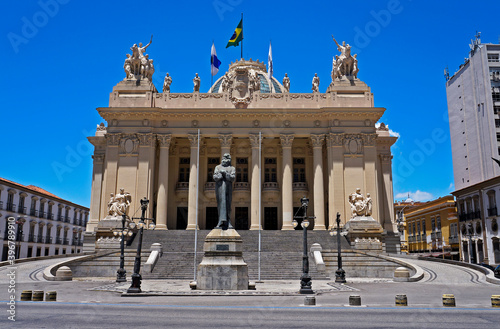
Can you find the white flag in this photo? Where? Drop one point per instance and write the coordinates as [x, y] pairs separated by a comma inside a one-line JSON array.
[[270, 62], [214, 61]]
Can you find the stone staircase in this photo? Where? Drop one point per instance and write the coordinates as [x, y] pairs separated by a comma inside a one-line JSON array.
[[358, 265], [281, 253]]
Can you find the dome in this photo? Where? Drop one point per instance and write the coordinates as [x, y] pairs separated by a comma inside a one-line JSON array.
[[250, 68]]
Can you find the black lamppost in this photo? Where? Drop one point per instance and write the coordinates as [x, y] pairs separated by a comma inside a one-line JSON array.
[[136, 277], [305, 279], [339, 273], [121, 274], [472, 237]]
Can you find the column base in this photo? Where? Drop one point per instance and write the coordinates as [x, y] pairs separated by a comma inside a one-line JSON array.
[[319, 228], [254, 227], [287, 228], [161, 227], [191, 227]]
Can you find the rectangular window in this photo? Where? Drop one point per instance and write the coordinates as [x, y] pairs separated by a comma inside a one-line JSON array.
[[423, 227], [438, 223], [433, 224], [211, 164], [418, 227], [495, 96], [493, 58], [410, 231], [184, 170], [414, 230], [242, 169], [270, 170], [299, 170], [41, 209]]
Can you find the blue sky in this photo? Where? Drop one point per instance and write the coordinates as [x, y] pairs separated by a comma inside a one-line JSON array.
[[61, 59]]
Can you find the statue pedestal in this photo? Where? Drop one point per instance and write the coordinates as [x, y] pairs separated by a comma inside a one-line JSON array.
[[222, 267], [364, 233], [104, 236]]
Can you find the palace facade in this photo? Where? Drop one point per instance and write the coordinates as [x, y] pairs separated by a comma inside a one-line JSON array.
[[165, 146]]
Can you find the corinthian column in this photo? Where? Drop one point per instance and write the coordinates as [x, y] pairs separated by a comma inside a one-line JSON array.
[[287, 190], [255, 191], [319, 196], [225, 143], [193, 182], [161, 201]]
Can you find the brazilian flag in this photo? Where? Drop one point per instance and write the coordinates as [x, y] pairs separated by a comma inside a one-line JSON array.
[[237, 35]]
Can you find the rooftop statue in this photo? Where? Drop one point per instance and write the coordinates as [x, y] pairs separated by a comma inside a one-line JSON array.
[[224, 176], [345, 64], [138, 65], [286, 83], [196, 82], [315, 83], [166, 83]]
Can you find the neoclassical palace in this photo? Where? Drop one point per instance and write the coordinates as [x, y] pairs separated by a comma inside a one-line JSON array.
[[165, 146]]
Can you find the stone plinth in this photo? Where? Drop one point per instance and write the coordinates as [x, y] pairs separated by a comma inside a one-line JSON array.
[[364, 233], [104, 236], [222, 267]]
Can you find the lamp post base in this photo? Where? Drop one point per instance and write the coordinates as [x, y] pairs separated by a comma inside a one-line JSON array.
[[136, 284], [305, 285], [340, 276]]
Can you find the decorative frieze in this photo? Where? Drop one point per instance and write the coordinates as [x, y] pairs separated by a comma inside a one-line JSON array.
[[146, 139], [286, 140], [369, 139], [353, 144], [335, 139], [129, 143]]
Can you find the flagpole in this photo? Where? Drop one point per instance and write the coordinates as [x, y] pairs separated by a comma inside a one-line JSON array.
[[211, 76], [241, 47], [260, 198]]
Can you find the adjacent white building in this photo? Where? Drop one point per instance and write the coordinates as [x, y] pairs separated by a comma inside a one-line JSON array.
[[473, 94], [45, 224]]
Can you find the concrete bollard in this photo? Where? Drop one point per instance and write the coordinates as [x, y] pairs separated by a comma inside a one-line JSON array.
[[310, 300], [354, 300], [401, 274], [193, 285], [251, 285], [26, 295], [37, 296], [401, 300], [51, 296], [495, 300], [449, 300], [64, 273]]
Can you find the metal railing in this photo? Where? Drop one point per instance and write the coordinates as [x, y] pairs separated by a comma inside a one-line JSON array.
[[41, 214], [21, 210], [20, 237], [1, 205], [39, 239], [10, 207], [48, 239], [58, 241], [33, 212], [31, 238], [492, 211]]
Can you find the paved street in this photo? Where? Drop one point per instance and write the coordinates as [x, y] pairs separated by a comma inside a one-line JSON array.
[[85, 304]]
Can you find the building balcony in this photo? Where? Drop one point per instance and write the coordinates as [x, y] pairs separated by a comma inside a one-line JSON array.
[[270, 186], [462, 217], [419, 238], [48, 239], [10, 207], [65, 241], [34, 212], [182, 189], [20, 237], [453, 240], [209, 190], [270, 191], [21, 210], [66, 219], [31, 238], [50, 216], [299, 186], [1, 205], [39, 239], [58, 241], [241, 190], [41, 214], [492, 211]]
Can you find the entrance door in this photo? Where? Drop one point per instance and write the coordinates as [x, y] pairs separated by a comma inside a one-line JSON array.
[[211, 218], [270, 218], [241, 218], [182, 217]]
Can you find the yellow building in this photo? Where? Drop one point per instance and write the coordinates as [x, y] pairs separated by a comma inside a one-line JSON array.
[[400, 208], [433, 227]]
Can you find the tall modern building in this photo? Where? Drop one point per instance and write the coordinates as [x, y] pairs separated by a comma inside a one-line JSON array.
[[473, 107], [473, 94]]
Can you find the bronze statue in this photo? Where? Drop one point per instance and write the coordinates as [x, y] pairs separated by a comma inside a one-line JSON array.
[[224, 176]]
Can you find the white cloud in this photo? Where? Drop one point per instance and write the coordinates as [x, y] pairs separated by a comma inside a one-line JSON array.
[[415, 196], [451, 187]]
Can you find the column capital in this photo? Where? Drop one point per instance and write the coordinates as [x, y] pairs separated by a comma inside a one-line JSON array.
[[286, 140], [225, 140], [193, 139], [112, 139], [334, 139], [254, 140], [98, 157], [145, 139], [317, 140], [385, 158], [369, 139], [164, 140]]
